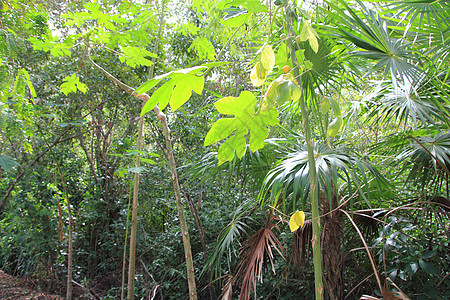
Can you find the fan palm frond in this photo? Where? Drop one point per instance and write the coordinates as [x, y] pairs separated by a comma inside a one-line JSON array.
[[430, 156], [323, 71], [406, 103], [228, 242], [424, 13], [424, 155], [370, 33], [429, 21], [291, 177]]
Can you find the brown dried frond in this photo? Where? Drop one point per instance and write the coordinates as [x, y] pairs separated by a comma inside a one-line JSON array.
[[258, 246], [395, 295], [227, 289], [399, 295], [301, 245]]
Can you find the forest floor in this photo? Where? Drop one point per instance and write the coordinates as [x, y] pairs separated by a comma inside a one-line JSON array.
[[12, 288]]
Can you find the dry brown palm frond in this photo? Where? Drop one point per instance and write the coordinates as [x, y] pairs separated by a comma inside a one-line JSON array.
[[387, 296], [258, 246], [395, 295], [227, 290], [301, 245], [399, 295]]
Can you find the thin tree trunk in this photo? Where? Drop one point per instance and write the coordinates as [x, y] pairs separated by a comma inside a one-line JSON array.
[[133, 233], [70, 253], [176, 187], [124, 262], [198, 224], [132, 255], [314, 195], [70, 240]]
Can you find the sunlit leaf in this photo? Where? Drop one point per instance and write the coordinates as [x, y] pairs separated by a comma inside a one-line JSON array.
[[258, 75], [245, 120], [335, 127], [309, 34], [297, 220], [267, 59], [72, 84], [135, 56], [235, 17]]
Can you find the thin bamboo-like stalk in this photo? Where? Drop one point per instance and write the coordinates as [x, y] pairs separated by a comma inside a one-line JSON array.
[[133, 233], [124, 262], [176, 187], [314, 196]]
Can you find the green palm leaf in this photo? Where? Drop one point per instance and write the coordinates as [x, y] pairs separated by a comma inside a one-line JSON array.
[[228, 242], [370, 33], [424, 155], [290, 179], [429, 155], [426, 23]]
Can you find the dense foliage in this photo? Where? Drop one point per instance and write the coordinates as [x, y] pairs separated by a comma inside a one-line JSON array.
[[255, 92]]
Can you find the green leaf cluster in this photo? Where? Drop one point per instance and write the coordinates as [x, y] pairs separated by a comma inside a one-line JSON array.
[[72, 84], [245, 120], [135, 56]]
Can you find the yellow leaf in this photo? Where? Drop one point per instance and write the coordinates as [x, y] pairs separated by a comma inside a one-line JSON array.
[[258, 75], [5, 7], [308, 33], [297, 220], [267, 59], [335, 127], [313, 43]]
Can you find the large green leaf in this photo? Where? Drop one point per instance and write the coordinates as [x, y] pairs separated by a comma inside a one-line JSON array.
[[72, 84], [135, 56], [245, 119], [178, 89]]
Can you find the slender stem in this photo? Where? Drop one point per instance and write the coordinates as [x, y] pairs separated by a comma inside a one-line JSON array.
[[124, 263], [70, 252], [133, 234], [314, 196], [176, 187]]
